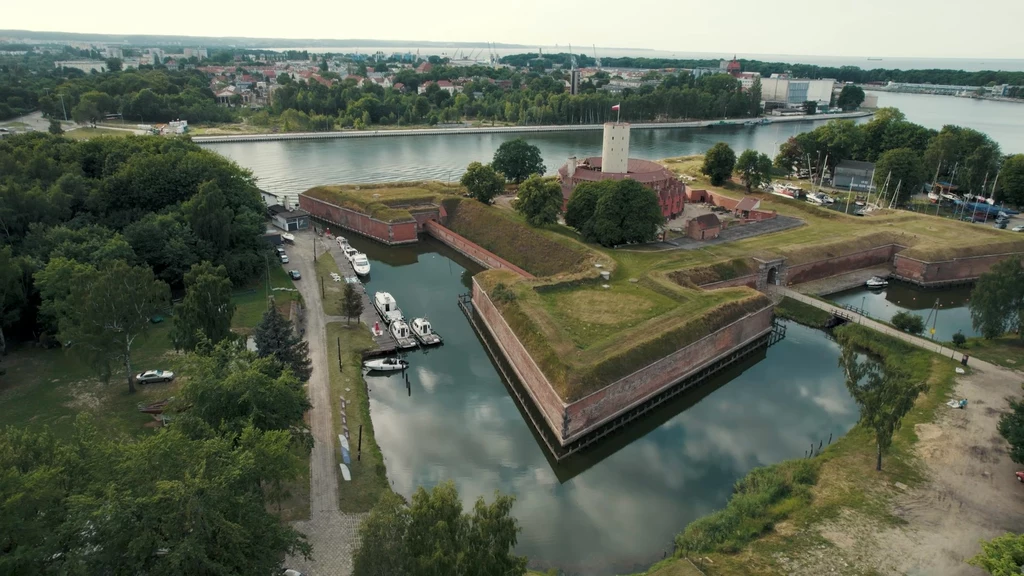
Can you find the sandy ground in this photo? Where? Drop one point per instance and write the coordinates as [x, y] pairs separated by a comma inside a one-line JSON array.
[[972, 494]]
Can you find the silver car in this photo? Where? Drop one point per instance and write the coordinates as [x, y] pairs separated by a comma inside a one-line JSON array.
[[153, 376]]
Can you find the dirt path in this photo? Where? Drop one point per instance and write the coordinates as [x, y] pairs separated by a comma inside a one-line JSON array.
[[331, 533], [972, 493]]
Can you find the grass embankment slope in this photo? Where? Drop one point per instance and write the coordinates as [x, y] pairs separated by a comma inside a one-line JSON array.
[[585, 336], [780, 518], [369, 476], [385, 202]]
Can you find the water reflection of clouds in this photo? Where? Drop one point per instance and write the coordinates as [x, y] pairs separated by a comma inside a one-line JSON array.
[[621, 513]]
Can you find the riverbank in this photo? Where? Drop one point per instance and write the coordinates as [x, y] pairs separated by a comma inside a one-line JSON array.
[[946, 483], [384, 132]]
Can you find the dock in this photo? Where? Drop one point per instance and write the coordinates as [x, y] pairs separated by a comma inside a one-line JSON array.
[[385, 342]]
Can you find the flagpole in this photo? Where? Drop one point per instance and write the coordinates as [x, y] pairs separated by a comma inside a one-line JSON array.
[[618, 112]]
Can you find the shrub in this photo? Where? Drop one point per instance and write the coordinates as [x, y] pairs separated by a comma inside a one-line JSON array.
[[502, 293], [908, 322], [959, 339]]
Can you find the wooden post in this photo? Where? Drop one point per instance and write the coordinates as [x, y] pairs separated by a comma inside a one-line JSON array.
[[321, 286], [359, 453], [339, 352]]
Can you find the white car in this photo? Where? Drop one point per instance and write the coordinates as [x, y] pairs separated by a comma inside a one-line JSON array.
[[1018, 228], [152, 376], [284, 258], [350, 252], [361, 264]]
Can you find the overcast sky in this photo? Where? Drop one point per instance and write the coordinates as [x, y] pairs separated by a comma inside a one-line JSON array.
[[913, 28]]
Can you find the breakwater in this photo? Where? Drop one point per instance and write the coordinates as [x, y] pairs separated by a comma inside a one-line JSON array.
[[506, 129]]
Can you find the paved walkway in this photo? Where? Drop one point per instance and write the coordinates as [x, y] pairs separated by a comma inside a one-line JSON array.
[[331, 532], [878, 326], [384, 341]]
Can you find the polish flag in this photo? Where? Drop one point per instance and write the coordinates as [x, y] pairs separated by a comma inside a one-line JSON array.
[[616, 107]]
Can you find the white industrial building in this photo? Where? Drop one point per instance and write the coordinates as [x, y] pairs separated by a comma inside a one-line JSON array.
[[780, 90]]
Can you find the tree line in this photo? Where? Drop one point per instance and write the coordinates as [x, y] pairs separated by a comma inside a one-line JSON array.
[[909, 155], [840, 73], [96, 235]]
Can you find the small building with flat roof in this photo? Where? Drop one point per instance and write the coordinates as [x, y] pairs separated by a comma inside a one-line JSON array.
[[288, 220], [853, 175]]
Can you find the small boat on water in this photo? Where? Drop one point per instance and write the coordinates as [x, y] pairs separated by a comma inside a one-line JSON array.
[[342, 241], [403, 335], [360, 264], [386, 364], [387, 307], [876, 283], [423, 332]]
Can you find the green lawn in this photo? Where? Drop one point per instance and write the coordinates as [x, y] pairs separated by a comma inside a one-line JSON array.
[[50, 387], [251, 303], [387, 202], [803, 313], [325, 265], [369, 476], [86, 133], [1006, 351]]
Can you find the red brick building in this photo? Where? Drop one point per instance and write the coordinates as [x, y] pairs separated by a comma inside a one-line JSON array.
[[670, 191], [704, 227]]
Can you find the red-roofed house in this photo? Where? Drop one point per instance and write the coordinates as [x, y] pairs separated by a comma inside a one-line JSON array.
[[424, 68], [704, 227], [399, 86]]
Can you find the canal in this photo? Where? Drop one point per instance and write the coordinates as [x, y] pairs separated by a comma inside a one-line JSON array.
[[613, 510], [945, 309]]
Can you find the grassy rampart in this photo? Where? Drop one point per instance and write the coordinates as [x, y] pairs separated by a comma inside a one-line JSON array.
[[539, 252], [717, 272], [385, 202]]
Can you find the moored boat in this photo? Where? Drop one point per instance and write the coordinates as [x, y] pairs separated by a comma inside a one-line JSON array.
[[876, 282], [361, 264], [403, 335], [424, 332], [386, 364], [387, 307]]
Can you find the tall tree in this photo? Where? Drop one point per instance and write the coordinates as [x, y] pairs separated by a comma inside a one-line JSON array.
[[755, 96], [539, 201], [579, 211], [351, 303], [754, 169], [1011, 427], [55, 128], [997, 300], [851, 97], [627, 212], [382, 549], [482, 182], [207, 308], [108, 313], [1011, 181], [903, 168], [790, 155], [12, 292], [433, 536], [1001, 556], [884, 393], [718, 163], [230, 388], [518, 160], [275, 336]]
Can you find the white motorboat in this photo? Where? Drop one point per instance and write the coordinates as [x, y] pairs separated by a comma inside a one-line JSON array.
[[403, 335], [349, 251], [342, 241], [423, 332], [876, 282], [387, 307], [345, 472], [288, 238], [815, 199], [360, 264], [386, 364]]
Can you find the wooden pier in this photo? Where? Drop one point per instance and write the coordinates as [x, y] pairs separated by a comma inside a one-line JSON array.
[[385, 342]]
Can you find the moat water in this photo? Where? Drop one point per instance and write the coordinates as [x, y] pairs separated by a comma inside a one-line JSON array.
[[617, 508], [945, 310]]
